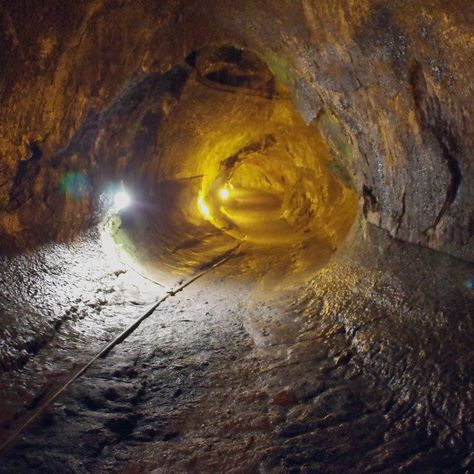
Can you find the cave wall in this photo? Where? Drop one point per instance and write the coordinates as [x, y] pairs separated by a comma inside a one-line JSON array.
[[394, 79]]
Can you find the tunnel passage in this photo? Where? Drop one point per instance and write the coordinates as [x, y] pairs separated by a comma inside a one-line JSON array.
[[394, 74], [213, 155]]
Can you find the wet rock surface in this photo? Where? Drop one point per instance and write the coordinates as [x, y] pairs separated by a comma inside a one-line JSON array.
[[225, 378], [58, 307], [283, 360]]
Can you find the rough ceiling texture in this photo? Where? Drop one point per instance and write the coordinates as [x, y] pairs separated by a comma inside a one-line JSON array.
[[394, 78], [289, 140]]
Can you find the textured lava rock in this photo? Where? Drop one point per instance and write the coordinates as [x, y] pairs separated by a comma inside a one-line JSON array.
[[395, 79]]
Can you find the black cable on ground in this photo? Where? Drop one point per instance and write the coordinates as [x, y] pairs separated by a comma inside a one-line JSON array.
[[105, 351]]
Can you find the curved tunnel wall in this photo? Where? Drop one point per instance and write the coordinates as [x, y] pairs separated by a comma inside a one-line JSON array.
[[216, 160], [387, 88], [395, 78]]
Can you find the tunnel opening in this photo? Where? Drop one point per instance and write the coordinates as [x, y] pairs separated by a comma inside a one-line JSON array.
[[220, 158]]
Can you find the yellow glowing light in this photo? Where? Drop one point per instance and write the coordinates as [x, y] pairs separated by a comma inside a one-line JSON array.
[[224, 193], [203, 208]]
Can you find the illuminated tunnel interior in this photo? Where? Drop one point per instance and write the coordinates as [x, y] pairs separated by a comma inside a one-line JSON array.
[[236, 237], [231, 162]]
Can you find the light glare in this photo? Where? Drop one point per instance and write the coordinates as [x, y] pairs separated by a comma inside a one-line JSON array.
[[203, 208], [121, 200], [224, 194]]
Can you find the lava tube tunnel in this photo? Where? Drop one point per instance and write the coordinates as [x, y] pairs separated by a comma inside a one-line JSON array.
[[231, 162], [236, 237]]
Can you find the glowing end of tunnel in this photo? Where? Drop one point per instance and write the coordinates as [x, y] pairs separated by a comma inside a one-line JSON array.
[[224, 194], [227, 178]]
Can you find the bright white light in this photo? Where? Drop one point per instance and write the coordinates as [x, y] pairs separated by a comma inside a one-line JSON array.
[[121, 200], [224, 193]]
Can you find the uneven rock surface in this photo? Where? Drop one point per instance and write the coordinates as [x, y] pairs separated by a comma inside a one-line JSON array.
[[356, 373], [261, 130], [389, 85]]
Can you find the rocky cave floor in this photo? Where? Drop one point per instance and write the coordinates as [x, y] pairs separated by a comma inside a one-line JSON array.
[[365, 367]]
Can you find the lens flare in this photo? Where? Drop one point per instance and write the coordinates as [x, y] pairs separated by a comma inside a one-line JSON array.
[[76, 185], [121, 200]]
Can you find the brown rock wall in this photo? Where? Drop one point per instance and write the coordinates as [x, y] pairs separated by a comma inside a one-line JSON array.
[[396, 75]]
